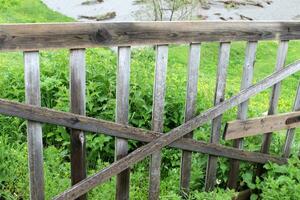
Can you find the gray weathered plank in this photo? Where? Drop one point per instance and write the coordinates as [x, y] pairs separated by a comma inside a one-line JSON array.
[[211, 170], [177, 133], [84, 35], [248, 69], [77, 97], [44, 115], [291, 132], [122, 107], [255, 126], [267, 137], [190, 109], [159, 91], [281, 57], [34, 129]]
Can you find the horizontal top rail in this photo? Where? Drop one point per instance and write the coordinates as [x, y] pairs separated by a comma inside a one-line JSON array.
[[28, 37]]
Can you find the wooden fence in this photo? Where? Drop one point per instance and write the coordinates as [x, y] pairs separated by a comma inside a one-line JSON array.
[[31, 38]]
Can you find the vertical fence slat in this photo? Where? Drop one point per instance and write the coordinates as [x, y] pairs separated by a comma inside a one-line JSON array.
[[291, 132], [77, 95], [211, 169], [267, 137], [159, 91], [242, 109], [190, 108], [122, 107], [34, 129]]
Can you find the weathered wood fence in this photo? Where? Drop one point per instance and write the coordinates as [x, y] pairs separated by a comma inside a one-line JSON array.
[[31, 38]]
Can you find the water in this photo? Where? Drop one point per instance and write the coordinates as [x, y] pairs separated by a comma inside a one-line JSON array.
[[126, 10], [278, 10]]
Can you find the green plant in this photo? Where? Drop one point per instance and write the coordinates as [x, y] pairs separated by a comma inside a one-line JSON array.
[[281, 181], [7, 4], [218, 194]]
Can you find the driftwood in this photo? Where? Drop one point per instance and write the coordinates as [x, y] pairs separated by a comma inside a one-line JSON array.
[[242, 3], [91, 2], [243, 17], [109, 15]]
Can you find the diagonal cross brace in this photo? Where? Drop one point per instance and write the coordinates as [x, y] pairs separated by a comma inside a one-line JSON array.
[[175, 134], [79, 122]]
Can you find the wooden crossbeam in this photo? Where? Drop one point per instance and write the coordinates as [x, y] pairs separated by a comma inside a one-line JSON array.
[[255, 126], [83, 35], [45, 115], [175, 134]]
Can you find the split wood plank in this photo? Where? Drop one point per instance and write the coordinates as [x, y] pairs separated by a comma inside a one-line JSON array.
[[291, 132], [190, 111], [281, 57], [212, 164], [247, 78], [122, 107], [255, 126], [159, 91], [83, 35], [175, 134], [77, 95], [34, 129], [267, 137], [45, 115]]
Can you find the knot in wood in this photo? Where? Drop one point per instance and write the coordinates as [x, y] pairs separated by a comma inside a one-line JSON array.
[[3, 37], [74, 120], [102, 36]]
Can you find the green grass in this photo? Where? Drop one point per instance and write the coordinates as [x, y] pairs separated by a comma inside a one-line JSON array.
[[28, 11], [101, 83]]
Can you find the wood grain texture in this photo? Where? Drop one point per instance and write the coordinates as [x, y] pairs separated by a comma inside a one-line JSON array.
[[267, 137], [190, 109], [247, 78], [281, 57], [290, 134], [122, 107], [84, 35], [175, 134], [44, 115], [211, 169], [159, 91], [34, 129], [77, 94], [255, 126]]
